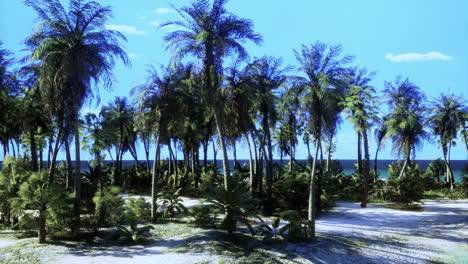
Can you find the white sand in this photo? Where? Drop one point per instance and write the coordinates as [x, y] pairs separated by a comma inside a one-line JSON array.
[[347, 234]]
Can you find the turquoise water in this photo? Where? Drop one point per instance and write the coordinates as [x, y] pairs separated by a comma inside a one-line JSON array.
[[383, 174]]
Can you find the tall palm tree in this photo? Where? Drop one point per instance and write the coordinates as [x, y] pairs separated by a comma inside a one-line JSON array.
[[117, 118], [360, 107], [380, 134], [157, 97], [405, 123], [73, 51], [266, 76], [210, 33], [324, 69], [446, 121]]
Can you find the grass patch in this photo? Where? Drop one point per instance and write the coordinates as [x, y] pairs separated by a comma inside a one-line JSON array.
[[403, 206], [26, 251]]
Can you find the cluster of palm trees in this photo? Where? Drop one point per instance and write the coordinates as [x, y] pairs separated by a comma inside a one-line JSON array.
[[190, 104]]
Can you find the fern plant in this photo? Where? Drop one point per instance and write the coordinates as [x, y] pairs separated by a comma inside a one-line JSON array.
[[135, 234]]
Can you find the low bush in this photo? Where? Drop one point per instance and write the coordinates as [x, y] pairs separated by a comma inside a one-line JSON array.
[[138, 209], [202, 216]]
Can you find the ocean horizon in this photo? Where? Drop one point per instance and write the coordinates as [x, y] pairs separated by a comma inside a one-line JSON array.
[[348, 165]]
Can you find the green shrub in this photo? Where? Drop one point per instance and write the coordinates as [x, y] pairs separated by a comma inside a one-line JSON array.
[[408, 189], [109, 206], [465, 185], [172, 203], [236, 204], [138, 208], [202, 216], [133, 234], [271, 233], [297, 229]]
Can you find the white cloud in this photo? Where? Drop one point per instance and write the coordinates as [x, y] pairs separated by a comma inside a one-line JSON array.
[[125, 29], [164, 11], [155, 23], [132, 55], [408, 57]]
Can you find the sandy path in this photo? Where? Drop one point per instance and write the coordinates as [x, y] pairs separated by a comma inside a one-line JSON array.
[[347, 234]]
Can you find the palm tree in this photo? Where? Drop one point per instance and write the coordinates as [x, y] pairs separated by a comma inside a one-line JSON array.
[[405, 123], [380, 134], [360, 107], [210, 33], [157, 97], [39, 194], [445, 121], [117, 118], [266, 76], [324, 70], [73, 51]]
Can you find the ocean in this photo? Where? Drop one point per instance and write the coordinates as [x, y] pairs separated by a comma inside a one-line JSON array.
[[347, 165]]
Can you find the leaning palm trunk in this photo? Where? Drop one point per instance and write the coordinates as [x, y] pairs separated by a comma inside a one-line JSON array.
[[223, 150], [54, 155], [375, 162], [366, 169], [448, 168], [311, 208], [42, 226], [251, 179], [154, 182], [404, 165]]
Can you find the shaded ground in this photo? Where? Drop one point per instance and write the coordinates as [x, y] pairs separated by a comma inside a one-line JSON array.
[[347, 234]]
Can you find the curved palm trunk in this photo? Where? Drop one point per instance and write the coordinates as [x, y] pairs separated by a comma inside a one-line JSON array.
[[407, 160], [251, 178], [223, 150], [154, 181], [330, 145], [269, 175], [54, 155], [375, 162], [254, 183], [311, 207], [366, 169], [449, 169], [234, 154]]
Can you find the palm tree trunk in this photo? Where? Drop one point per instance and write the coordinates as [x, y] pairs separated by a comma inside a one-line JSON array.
[[260, 171], [269, 174], [42, 226], [255, 169], [311, 208], [68, 181], [449, 169], [359, 151], [154, 181], [375, 162], [330, 145], [222, 144], [77, 184], [251, 179], [205, 152], [54, 155], [13, 148], [366, 168], [32, 138], [291, 159], [404, 165], [146, 146], [234, 154], [215, 154], [41, 159]]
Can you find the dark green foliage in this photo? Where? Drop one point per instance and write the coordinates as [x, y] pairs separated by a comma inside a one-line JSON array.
[[202, 216], [297, 229], [465, 185], [290, 192], [435, 169], [109, 206], [172, 203], [408, 189], [49, 199], [133, 234], [235, 203], [138, 209], [210, 178]]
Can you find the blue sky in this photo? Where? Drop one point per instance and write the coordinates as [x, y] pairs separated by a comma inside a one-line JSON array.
[[424, 40]]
